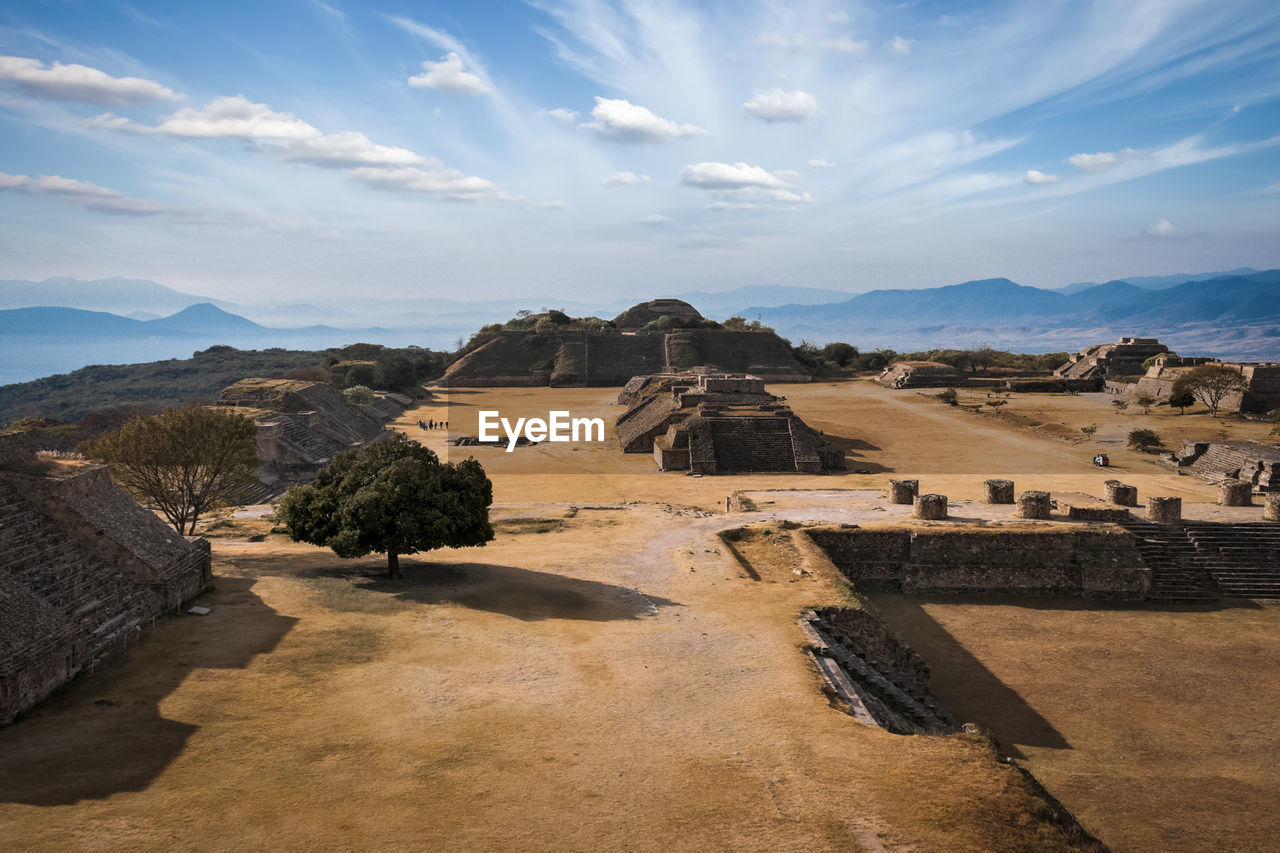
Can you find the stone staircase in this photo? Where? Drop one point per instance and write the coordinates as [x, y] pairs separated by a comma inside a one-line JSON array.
[[105, 605], [752, 444], [1178, 574], [1243, 559]]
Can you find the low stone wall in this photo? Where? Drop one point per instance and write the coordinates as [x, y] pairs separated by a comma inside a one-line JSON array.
[[1101, 563]]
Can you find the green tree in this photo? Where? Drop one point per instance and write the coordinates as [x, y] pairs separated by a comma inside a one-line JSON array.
[[1089, 430], [1144, 439], [1210, 384], [394, 497], [358, 395], [1119, 404], [1146, 401], [949, 397], [1180, 400], [996, 404], [840, 352], [183, 462]]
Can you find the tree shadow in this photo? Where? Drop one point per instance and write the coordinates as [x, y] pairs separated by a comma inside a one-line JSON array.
[[855, 463], [962, 683], [103, 734], [524, 594]]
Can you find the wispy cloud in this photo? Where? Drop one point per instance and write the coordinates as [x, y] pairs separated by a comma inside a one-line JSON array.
[[81, 83]]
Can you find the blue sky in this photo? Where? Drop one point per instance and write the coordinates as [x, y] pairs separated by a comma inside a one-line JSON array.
[[583, 149]]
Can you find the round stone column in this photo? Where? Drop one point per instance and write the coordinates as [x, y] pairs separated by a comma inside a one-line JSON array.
[[903, 491], [931, 507], [1034, 504], [1271, 509], [1235, 493], [1164, 510], [999, 491], [1120, 494]]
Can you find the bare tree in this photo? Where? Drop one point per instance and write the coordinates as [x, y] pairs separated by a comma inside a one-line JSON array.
[[183, 462]]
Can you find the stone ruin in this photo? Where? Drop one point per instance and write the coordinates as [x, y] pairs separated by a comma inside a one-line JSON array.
[[1251, 461], [571, 357], [83, 570], [1109, 361], [920, 374], [719, 423], [301, 425], [1262, 382]]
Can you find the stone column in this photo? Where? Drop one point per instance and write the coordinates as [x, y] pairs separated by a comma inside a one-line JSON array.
[[1271, 509], [1164, 510], [1034, 504], [999, 491], [1120, 494], [903, 491], [931, 507], [1235, 493]]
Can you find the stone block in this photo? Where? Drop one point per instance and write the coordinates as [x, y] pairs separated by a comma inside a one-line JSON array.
[[903, 491], [1235, 493], [931, 507], [999, 491], [1271, 509], [1164, 510], [1121, 494], [1034, 504]]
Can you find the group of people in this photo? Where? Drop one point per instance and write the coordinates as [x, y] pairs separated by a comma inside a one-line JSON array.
[[433, 424]]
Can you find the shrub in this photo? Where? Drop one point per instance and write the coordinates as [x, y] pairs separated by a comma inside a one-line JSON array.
[[1144, 440]]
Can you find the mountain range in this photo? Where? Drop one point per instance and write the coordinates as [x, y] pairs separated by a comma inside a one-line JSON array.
[[1234, 314]]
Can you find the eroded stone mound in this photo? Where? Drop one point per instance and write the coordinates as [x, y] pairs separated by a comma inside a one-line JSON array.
[[920, 374], [637, 316]]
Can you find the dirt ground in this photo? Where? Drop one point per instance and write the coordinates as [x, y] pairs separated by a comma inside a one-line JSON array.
[[602, 676]]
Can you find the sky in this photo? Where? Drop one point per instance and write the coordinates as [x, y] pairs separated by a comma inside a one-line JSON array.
[[594, 150]]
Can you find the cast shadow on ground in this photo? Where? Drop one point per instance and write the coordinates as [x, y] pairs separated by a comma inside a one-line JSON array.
[[963, 684], [854, 460], [103, 734], [524, 594]]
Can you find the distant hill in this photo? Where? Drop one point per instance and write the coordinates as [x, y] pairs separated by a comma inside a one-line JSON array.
[[117, 295], [1229, 315], [1159, 282]]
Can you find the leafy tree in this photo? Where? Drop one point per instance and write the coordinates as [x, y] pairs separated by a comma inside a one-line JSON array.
[[1149, 363], [183, 462], [1089, 430], [996, 404], [358, 395], [1144, 439], [1181, 400], [840, 352], [949, 397], [394, 497], [1146, 401], [1119, 404], [1210, 384]]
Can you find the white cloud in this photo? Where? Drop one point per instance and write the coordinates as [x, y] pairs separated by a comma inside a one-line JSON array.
[[87, 195], [563, 114], [819, 164], [447, 184], [447, 76], [551, 205], [1034, 176], [619, 120], [740, 182], [801, 43], [1164, 228], [1099, 162], [775, 105], [347, 148], [899, 45], [837, 17], [225, 117], [625, 179], [655, 220], [81, 83]]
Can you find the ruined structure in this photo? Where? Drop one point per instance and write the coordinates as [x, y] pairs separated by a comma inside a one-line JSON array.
[[1261, 380], [1109, 361], [718, 423], [569, 356], [1251, 461], [301, 425], [83, 570], [920, 374]]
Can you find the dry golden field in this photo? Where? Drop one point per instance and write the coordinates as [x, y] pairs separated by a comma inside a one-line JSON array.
[[605, 676]]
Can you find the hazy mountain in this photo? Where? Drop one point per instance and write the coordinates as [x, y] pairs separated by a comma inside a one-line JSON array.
[[117, 295], [1159, 282]]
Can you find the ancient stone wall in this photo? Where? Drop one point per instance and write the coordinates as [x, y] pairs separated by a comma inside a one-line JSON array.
[[920, 374], [1251, 461], [1087, 563], [83, 570]]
